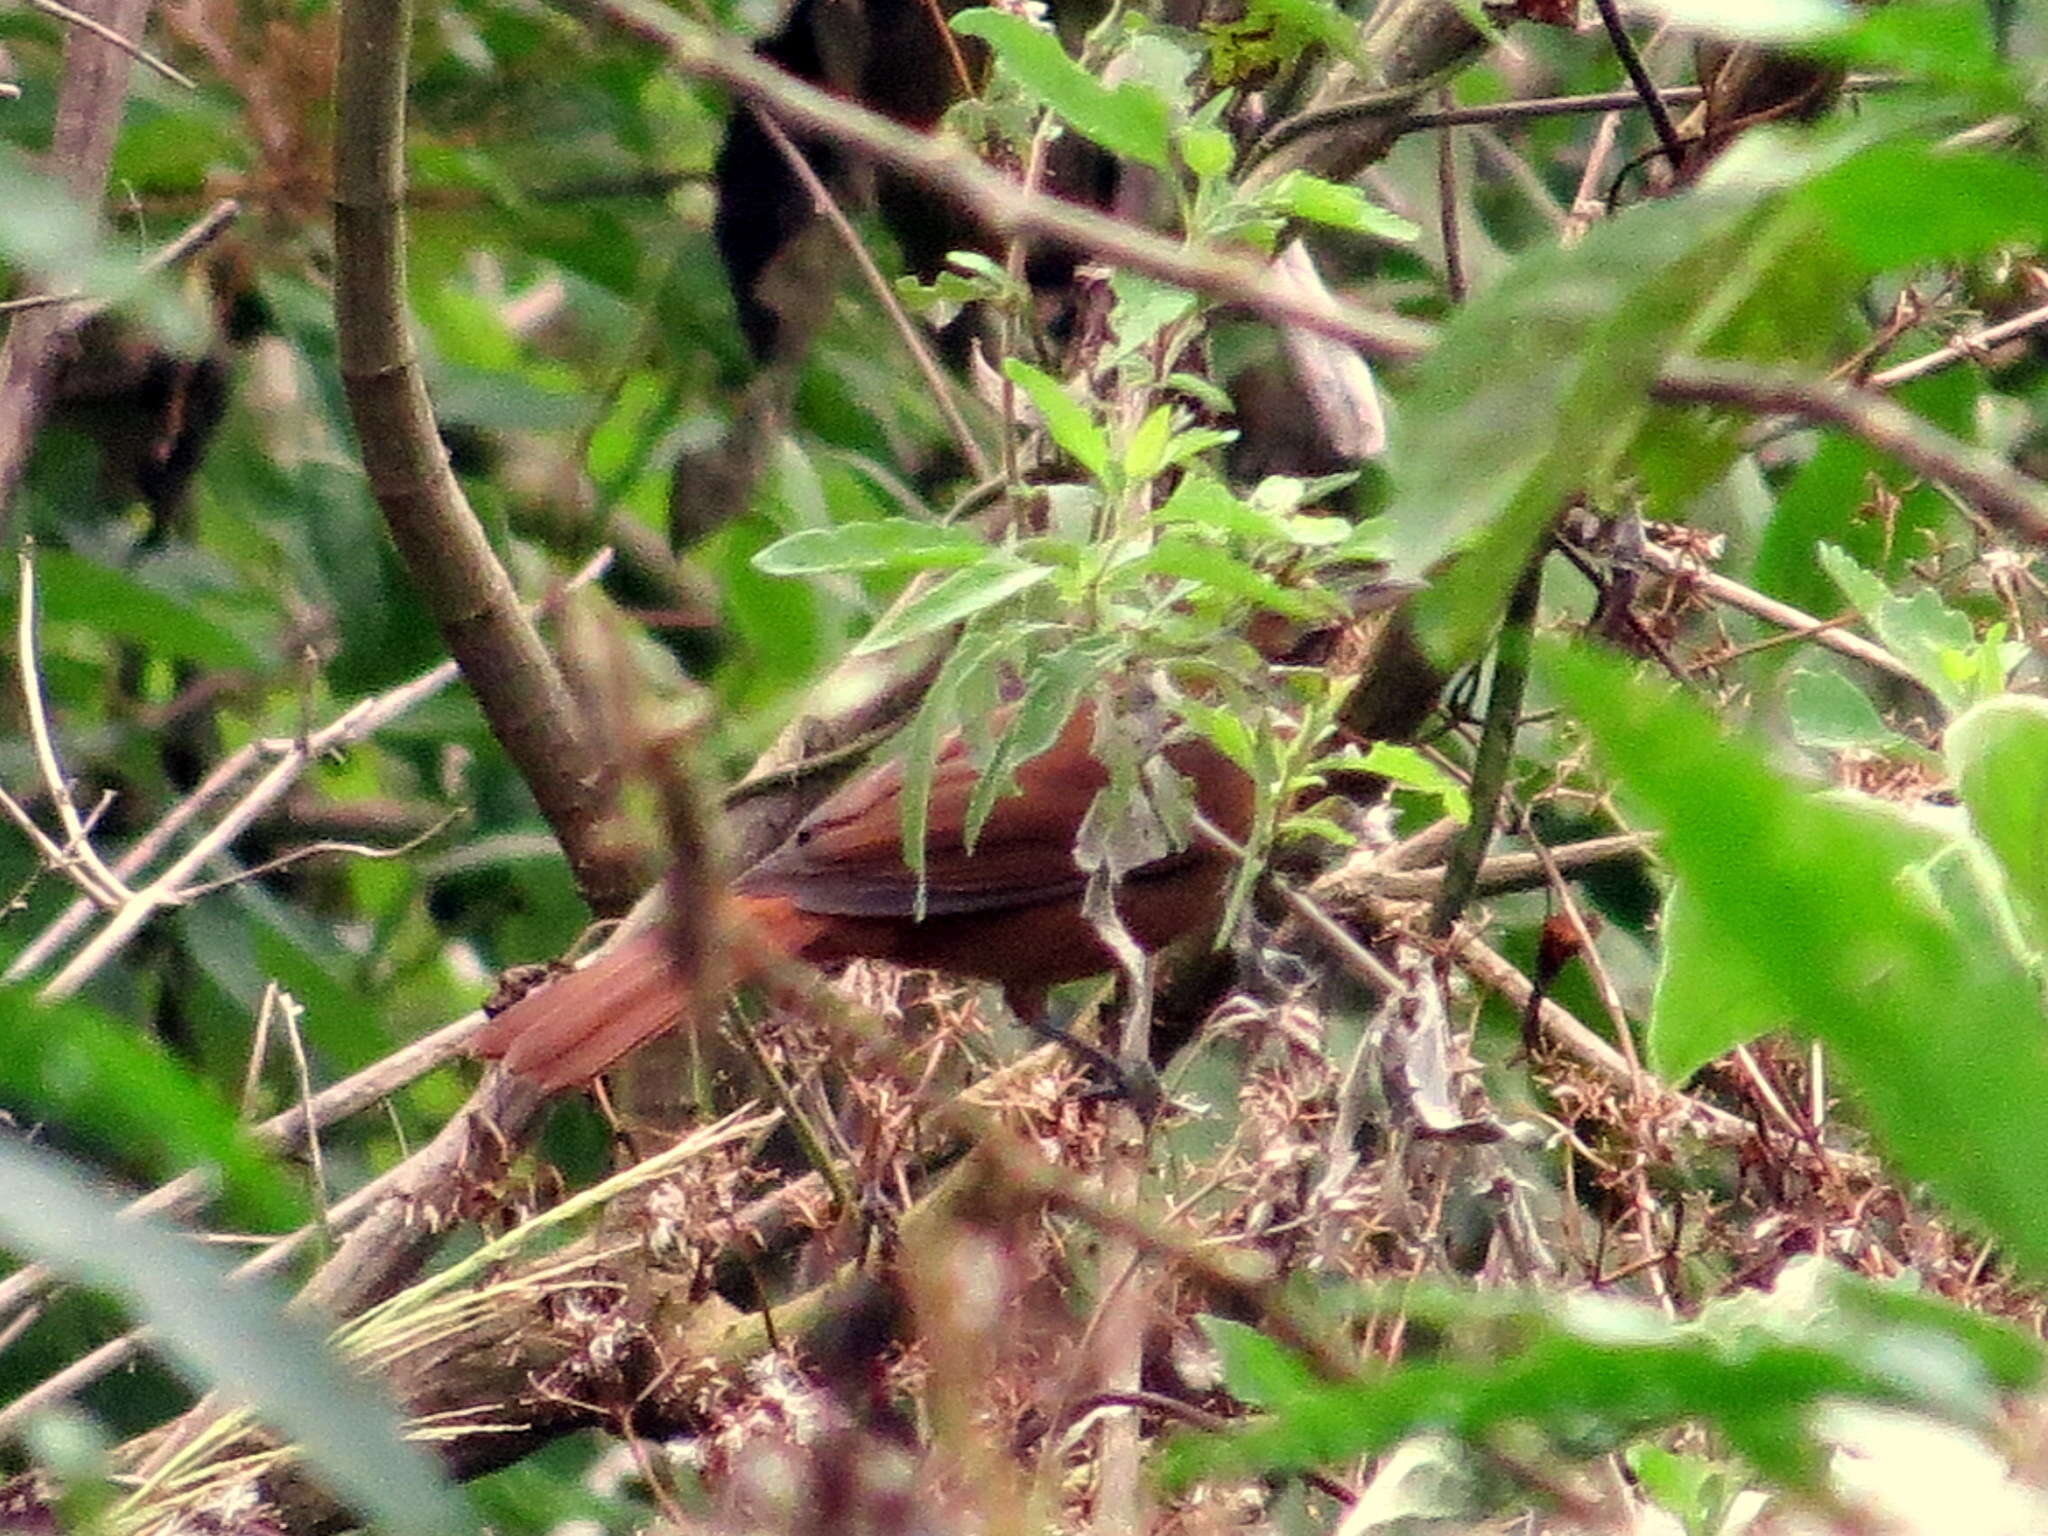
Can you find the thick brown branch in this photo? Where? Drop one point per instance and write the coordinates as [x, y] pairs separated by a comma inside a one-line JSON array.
[[523, 695]]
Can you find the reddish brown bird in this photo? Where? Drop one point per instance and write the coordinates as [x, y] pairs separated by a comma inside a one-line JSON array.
[[839, 890]]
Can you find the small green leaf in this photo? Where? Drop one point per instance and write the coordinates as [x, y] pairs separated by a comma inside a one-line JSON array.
[[1192, 559], [1922, 631], [959, 596], [1207, 151], [1146, 455], [1302, 196], [1410, 769], [1052, 690], [1069, 422], [1826, 710], [890, 544], [1130, 120]]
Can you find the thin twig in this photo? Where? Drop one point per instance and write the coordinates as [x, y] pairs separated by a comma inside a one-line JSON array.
[[935, 378], [291, 760], [107, 34], [1455, 287], [1970, 344], [1496, 754], [79, 853], [1639, 77], [1006, 208]]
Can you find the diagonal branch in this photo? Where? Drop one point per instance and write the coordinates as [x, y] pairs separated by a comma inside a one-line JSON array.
[[522, 692]]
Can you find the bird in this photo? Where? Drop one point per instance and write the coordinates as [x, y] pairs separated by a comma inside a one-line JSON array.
[[1008, 910]]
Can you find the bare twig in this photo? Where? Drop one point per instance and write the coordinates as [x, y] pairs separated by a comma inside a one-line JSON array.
[[1639, 76], [107, 34], [77, 854], [935, 379], [1970, 344]]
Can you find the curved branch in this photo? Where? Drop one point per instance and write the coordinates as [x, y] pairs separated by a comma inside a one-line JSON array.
[[522, 693]]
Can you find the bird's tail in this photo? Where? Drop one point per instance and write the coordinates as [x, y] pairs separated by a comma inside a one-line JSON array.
[[572, 1027]]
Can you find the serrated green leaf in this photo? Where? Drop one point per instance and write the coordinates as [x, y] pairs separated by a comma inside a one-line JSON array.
[[1302, 196], [1923, 632]]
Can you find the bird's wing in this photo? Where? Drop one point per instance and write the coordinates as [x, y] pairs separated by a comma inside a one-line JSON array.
[[847, 857]]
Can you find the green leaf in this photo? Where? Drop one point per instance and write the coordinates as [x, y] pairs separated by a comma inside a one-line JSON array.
[[1922, 631], [966, 684], [1905, 203], [1146, 455], [1826, 904], [71, 589], [235, 1338], [1302, 196], [1533, 393], [1201, 501], [959, 596], [1410, 769], [1207, 151], [1069, 422], [72, 1064], [1196, 560], [1998, 754], [1826, 710], [1709, 998], [1130, 120], [889, 544], [1255, 1369], [1052, 690], [1587, 1372]]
